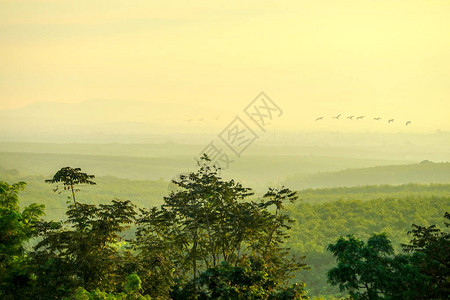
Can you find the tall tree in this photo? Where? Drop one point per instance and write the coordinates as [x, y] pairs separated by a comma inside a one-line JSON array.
[[70, 177], [210, 222]]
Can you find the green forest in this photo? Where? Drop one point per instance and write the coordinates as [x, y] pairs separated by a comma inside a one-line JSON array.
[[205, 237]]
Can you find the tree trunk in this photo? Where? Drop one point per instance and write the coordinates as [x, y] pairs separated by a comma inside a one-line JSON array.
[[73, 193]]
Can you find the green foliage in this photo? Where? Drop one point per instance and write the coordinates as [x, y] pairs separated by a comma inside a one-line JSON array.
[[249, 278], [156, 253], [132, 291], [373, 271], [370, 271], [430, 247], [209, 221], [321, 224], [16, 228], [82, 250]]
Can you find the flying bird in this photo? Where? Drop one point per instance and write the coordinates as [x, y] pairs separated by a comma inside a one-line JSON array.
[[391, 120], [377, 119], [189, 120], [337, 117], [407, 123], [319, 118], [351, 117], [201, 119], [360, 117]]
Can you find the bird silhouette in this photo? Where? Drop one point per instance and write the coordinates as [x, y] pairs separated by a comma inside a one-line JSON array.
[[360, 118], [189, 120], [391, 120], [351, 117], [377, 119], [337, 117], [319, 118], [217, 117], [407, 123], [201, 119]]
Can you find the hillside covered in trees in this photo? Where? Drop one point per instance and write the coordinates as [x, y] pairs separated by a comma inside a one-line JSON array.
[[425, 179], [423, 172]]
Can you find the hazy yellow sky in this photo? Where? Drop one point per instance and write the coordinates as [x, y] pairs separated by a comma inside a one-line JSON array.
[[356, 57]]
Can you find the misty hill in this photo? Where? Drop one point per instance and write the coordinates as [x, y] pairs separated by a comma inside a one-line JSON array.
[[257, 171], [139, 122], [95, 120], [424, 172], [395, 147], [147, 193], [374, 192]]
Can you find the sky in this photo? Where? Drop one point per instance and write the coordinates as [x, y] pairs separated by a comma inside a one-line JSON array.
[[377, 58]]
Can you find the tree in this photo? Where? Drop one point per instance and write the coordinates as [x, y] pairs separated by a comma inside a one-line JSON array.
[[82, 251], [249, 278], [158, 249], [209, 222], [70, 177], [371, 271], [430, 247], [16, 228], [132, 291]]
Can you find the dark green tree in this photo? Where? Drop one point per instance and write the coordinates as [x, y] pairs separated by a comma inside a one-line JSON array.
[[157, 248], [132, 291], [82, 251], [248, 278], [70, 177], [430, 248], [371, 271], [16, 228]]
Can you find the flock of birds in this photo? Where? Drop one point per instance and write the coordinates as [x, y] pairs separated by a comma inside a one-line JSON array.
[[321, 118], [362, 117]]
